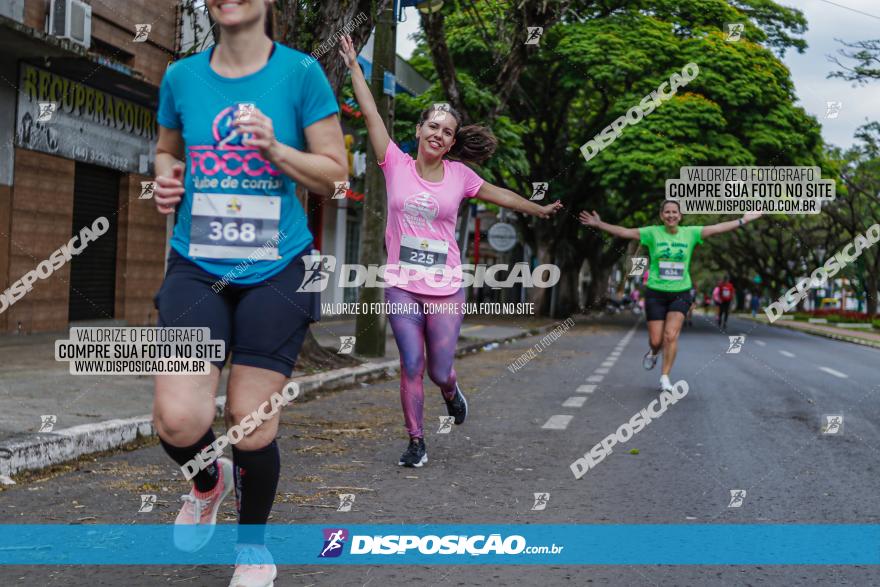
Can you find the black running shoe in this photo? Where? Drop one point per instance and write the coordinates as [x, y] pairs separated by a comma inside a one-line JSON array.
[[415, 455], [457, 406]]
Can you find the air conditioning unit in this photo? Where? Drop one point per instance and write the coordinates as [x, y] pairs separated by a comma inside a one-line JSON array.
[[71, 19]]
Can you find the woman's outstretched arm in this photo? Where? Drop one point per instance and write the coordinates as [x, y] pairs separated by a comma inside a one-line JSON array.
[[721, 227], [378, 134], [594, 221], [508, 199]]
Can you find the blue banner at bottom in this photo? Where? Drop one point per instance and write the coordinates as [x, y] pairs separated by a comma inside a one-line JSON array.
[[486, 544]]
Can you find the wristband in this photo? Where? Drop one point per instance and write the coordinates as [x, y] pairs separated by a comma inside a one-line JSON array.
[[741, 223]]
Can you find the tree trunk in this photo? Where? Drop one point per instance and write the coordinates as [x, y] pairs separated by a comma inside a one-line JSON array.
[[432, 24], [313, 357], [599, 273], [540, 296], [871, 285], [371, 326], [596, 292], [304, 26], [567, 298]]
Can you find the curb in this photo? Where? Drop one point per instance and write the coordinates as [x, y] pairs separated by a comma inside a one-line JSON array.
[[831, 335], [29, 452]]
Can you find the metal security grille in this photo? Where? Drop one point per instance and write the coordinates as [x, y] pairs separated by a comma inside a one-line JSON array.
[[93, 272]]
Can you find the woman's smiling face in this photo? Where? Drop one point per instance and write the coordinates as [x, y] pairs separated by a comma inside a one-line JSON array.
[[236, 13], [670, 214], [436, 134]]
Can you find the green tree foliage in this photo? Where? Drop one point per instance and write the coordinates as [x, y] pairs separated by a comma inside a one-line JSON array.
[[600, 59], [866, 55], [858, 206]]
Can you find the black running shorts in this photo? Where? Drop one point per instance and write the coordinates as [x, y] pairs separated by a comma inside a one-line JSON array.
[[659, 303], [263, 324]]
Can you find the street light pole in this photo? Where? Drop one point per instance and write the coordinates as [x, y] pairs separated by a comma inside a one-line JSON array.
[[370, 327]]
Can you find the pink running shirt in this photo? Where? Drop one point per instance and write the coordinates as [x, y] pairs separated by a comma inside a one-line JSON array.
[[420, 233]]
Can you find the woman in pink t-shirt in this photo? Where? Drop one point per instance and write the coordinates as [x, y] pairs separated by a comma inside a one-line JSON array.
[[424, 263]]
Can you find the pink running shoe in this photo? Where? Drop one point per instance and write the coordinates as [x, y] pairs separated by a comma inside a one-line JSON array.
[[197, 519], [254, 567]]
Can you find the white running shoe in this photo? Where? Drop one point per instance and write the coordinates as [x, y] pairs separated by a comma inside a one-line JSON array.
[[665, 383], [197, 518], [254, 567], [649, 361]]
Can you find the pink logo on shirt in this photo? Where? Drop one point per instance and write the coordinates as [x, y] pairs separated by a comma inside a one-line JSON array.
[[228, 155], [421, 209]]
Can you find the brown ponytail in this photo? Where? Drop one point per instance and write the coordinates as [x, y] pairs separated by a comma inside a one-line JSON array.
[[473, 143]]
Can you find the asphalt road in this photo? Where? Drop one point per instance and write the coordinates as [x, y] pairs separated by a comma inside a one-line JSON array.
[[751, 421]]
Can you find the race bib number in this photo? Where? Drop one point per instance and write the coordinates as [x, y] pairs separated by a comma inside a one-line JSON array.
[[671, 270], [227, 226], [422, 252]]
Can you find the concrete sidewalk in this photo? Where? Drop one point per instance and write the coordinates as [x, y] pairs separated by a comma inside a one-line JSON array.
[[867, 337], [95, 413]]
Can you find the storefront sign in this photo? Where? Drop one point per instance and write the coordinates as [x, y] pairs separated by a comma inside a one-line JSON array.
[[86, 124]]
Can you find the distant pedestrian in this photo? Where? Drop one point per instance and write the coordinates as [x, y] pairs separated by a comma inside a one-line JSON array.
[[725, 298], [755, 303]]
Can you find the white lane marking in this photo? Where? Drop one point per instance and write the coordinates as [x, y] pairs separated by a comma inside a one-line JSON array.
[[614, 355], [760, 343], [608, 363], [833, 372], [787, 354], [595, 378], [601, 370], [586, 388], [557, 422], [575, 401]]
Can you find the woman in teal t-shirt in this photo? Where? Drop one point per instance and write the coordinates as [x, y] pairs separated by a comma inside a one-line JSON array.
[[240, 126], [668, 297]]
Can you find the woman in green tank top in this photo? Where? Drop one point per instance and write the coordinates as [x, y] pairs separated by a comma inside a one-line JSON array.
[[668, 298]]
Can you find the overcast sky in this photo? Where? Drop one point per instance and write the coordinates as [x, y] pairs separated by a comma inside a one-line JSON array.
[[850, 20]]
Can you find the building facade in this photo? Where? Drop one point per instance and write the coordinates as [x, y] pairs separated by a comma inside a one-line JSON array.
[[78, 121], [79, 125]]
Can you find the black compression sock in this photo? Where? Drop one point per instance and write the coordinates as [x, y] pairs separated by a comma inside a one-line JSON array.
[[256, 480], [206, 479]]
